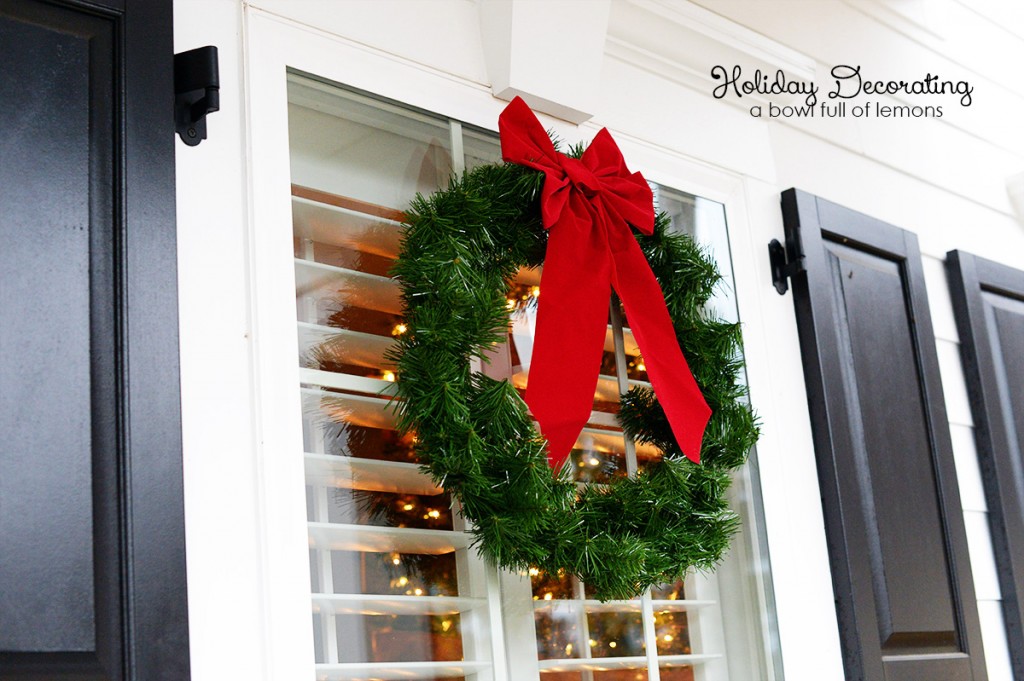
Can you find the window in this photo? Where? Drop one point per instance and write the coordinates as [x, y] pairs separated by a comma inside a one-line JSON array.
[[396, 590]]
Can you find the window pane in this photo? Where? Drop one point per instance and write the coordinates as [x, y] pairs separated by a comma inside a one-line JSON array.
[[392, 577]]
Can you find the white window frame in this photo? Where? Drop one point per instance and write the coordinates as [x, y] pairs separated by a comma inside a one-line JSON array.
[[801, 577]]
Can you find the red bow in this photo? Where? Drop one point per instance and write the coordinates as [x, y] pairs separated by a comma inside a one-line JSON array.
[[587, 203]]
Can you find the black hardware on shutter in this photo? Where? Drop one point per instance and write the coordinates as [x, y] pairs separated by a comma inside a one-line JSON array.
[[988, 299], [196, 92], [897, 544], [786, 261]]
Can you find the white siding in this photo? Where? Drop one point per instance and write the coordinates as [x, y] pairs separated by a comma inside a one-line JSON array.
[[943, 179]]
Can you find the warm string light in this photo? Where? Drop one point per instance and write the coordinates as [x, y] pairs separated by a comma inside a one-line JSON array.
[[411, 507], [637, 364], [388, 376], [399, 329], [521, 295]]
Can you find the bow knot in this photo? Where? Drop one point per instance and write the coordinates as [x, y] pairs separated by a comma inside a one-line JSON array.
[[588, 205], [581, 177]]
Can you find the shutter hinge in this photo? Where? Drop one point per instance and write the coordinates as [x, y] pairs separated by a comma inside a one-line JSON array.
[[196, 92], [786, 261]]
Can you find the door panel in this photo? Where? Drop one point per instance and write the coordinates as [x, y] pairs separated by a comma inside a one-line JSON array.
[[988, 299], [897, 544], [92, 580]]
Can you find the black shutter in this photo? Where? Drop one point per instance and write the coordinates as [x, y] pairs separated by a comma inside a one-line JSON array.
[[897, 544], [988, 299], [92, 562]]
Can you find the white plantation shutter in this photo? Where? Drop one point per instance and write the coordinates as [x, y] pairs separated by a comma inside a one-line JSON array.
[[397, 592]]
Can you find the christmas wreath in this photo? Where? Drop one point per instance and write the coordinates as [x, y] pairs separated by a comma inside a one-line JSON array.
[[461, 249]]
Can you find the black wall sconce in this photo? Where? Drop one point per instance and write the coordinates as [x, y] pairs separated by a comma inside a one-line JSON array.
[[196, 92]]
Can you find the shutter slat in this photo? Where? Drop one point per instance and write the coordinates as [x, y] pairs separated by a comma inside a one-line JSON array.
[[604, 664], [376, 539], [368, 474], [595, 606], [331, 379], [362, 604], [357, 410], [358, 289], [353, 347], [397, 671], [342, 226]]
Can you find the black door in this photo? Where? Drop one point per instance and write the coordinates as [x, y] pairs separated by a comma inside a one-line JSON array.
[[988, 299], [897, 544], [92, 562]]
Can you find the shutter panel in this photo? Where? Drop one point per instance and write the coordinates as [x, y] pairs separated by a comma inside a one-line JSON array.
[[988, 299], [92, 549], [897, 544]]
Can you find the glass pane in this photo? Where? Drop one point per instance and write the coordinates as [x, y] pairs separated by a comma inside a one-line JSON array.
[[704, 220], [480, 147], [744, 571], [364, 149], [392, 577], [676, 673], [671, 631]]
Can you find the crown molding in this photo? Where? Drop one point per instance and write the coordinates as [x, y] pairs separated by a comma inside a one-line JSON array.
[[682, 41]]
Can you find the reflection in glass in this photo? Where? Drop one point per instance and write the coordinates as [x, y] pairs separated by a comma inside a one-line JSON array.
[[391, 578], [394, 638]]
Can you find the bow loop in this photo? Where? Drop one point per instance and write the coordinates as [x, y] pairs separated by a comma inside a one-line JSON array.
[[588, 204]]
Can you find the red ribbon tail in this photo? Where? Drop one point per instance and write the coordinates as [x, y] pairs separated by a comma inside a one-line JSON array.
[[678, 393], [572, 323]]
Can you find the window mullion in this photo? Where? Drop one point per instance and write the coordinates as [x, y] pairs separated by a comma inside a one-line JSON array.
[[650, 637], [646, 607], [580, 594], [458, 153], [623, 379]]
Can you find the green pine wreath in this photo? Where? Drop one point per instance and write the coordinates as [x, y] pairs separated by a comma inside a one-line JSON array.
[[461, 248]]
